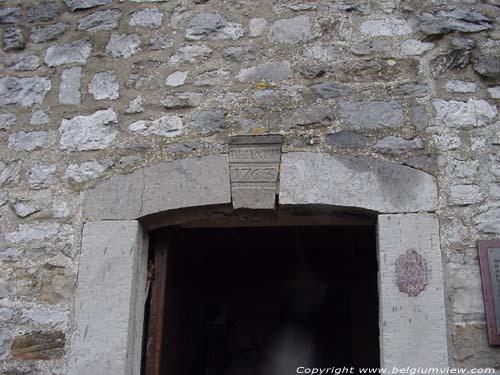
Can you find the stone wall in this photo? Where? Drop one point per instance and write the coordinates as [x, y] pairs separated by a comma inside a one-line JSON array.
[[94, 88]]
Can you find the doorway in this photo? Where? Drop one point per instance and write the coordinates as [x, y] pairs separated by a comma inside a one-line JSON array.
[[264, 300]]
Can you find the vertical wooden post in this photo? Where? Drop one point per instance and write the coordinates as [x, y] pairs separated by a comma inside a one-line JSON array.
[[156, 325]]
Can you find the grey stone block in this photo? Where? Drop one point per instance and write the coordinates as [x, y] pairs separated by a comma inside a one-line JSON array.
[[291, 30], [101, 20], [44, 11], [110, 295], [24, 91], [68, 53], [372, 114], [362, 182], [166, 186], [412, 327], [41, 34], [84, 4]]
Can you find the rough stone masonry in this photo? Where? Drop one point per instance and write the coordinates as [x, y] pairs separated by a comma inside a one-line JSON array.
[[94, 88]]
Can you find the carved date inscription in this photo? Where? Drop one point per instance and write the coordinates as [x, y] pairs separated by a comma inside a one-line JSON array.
[[254, 168], [411, 273]]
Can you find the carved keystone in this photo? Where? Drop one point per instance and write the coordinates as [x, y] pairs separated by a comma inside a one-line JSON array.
[[254, 163]]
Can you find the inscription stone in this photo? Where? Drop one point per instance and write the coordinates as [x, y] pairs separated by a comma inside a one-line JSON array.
[[254, 167], [494, 266], [489, 265]]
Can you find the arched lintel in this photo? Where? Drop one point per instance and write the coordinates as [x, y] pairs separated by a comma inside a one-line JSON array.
[[306, 178]]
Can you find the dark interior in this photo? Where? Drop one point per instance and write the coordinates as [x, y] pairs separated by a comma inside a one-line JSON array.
[[267, 300]]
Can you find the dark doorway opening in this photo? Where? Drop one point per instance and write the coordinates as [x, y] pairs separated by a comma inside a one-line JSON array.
[[252, 301]]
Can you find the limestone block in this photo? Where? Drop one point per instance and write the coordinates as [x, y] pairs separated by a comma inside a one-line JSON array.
[[166, 186], [24, 91], [347, 181], [101, 20], [412, 311], [291, 30], [109, 303]]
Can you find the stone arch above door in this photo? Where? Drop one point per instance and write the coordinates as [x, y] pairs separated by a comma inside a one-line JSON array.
[[112, 275], [305, 178]]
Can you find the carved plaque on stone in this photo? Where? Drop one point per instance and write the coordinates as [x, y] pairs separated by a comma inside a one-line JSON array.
[[254, 163], [411, 273], [489, 261]]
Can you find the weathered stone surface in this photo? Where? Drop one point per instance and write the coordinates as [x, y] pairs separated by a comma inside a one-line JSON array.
[[7, 120], [187, 182], [464, 20], [39, 118], [69, 90], [329, 90], [103, 86], [111, 288], [190, 54], [136, 105], [123, 46], [465, 194], [388, 26], [6, 314], [3, 200], [27, 141], [494, 92], [413, 89], [397, 145], [353, 182], [347, 139], [149, 17], [84, 4], [39, 345], [420, 117], [101, 20], [47, 318], [144, 82], [311, 115], [40, 232], [464, 115], [244, 53], [25, 208], [88, 170], [460, 86], [427, 163], [24, 91], [160, 41], [41, 34], [488, 221], [257, 27], [21, 62], [10, 15], [214, 77], [291, 30], [419, 321], [68, 53], [92, 132], [182, 100], [275, 71], [414, 47], [176, 79], [165, 126], [41, 176], [322, 52], [488, 66], [212, 26], [9, 174], [372, 114], [208, 122], [44, 11], [13, 39]]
